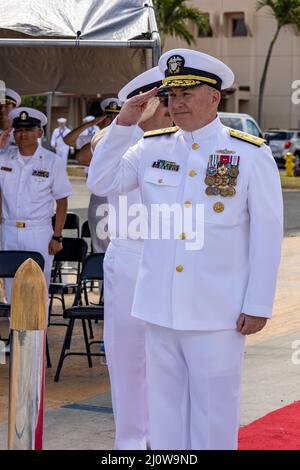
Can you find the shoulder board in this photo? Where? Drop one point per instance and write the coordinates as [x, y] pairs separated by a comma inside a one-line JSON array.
[[157, 132], [251, 139]]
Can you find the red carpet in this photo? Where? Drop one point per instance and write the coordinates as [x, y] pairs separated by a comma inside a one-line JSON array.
[[279, 430]]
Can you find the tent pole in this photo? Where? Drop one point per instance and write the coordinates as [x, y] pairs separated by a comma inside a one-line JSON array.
[[49, 113], [156, 52], [156, 49]]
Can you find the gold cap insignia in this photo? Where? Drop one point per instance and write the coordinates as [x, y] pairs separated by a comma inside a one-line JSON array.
[[175, 64], [23, 116], [113, 105]]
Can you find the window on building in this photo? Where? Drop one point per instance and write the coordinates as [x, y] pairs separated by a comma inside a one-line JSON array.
[[208, 33], [238, 26]]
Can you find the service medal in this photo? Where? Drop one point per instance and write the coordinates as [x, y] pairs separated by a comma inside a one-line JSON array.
[[234, 172], [210, 180], [231, 191], [209, 191], [211, 171], [224, 192]]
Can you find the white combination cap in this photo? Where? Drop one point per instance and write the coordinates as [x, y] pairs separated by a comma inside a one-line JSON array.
[[9, 96], [88, 118], [27, 117], [189, 68], [142, 83], [111, 105]]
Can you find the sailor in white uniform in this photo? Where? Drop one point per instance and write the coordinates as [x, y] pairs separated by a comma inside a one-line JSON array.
[[199, 297], [57, 140], [32, 179], [88, 133], [124, 335], [10, 100]]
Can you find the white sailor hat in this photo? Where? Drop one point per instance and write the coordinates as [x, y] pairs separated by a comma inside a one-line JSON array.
[[188, 68], [111, 105], [27, 117], [61, 120], [88, 118], [142, 83], [9, 96]]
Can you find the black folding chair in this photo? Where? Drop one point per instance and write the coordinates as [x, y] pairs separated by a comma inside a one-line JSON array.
[[86, 233], [74, 250], [85, 230], [72, 222], [10, 261], [92, 270]]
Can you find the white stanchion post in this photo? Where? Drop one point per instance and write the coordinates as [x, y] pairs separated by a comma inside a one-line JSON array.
[[27, 363]]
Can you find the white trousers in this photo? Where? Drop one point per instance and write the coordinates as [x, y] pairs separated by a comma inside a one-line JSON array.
[[124, 338], [193, 388], [29, 239], [99, 245]]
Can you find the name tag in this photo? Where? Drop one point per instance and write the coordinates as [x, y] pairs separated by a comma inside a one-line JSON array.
[[6, 168], [41, 173]]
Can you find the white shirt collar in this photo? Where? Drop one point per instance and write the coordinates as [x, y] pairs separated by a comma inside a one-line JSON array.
[[33, 157], [204, 132]]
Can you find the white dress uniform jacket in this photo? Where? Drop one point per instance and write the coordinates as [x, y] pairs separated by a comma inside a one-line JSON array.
[[30, 186], [236, 269]]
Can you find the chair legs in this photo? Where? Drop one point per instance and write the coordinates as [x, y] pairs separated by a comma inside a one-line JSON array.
[[66, 345], [86, 340], [48, 359]]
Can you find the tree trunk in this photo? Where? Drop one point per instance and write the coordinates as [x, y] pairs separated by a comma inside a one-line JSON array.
[[264, 76]]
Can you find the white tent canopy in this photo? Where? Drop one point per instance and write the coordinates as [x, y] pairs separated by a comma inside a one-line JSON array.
[[75, 46]]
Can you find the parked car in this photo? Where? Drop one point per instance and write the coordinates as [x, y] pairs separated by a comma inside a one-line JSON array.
[[241, 122], [282, 141]]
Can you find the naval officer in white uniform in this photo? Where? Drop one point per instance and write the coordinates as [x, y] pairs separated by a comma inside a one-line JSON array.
[[199, 303], [9, 99], [32, 179], [124, 335]]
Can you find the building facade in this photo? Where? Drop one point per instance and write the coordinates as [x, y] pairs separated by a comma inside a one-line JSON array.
[[240, 36]]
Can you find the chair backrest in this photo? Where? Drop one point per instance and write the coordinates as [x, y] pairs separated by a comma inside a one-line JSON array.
[[92, 268], [72, 222], [74, 249], [11, 260], [85, 230]]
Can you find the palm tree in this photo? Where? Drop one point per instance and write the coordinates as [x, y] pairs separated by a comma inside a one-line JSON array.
[[285, 12], [171, 16]]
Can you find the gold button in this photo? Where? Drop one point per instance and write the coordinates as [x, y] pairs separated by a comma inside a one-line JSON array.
[[192, 173], [187, 204], [179, 269], [182, 236], [219, 207], [195, 146], [160, 181], [20, 224]]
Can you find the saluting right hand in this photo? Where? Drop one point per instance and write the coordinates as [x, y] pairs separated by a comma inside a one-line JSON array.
[[133, 108], [4, 138]]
